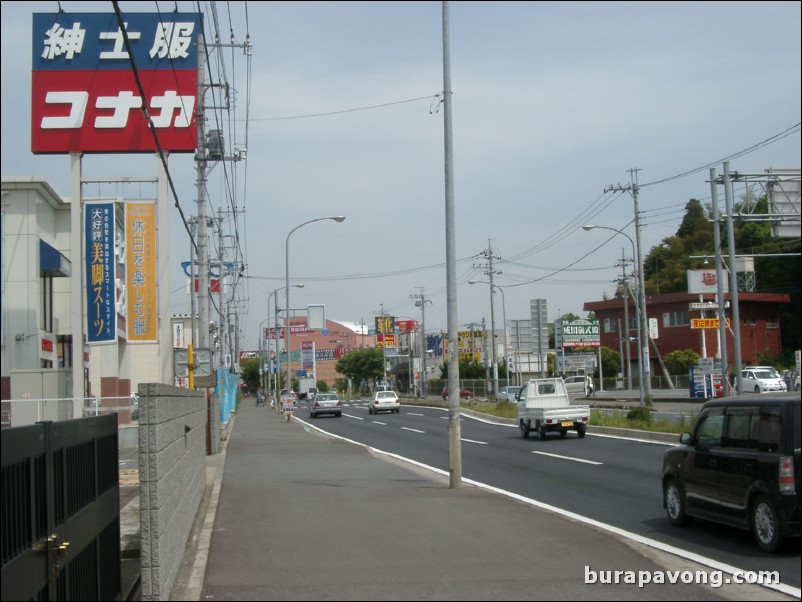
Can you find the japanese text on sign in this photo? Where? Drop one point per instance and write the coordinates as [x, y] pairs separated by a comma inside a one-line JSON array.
[[101, 313], [85, 96]]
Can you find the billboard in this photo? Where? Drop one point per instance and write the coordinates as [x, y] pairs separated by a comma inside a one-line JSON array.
[[86, 95], [101, 312], [140, 230], [705, 281], [577, 333]]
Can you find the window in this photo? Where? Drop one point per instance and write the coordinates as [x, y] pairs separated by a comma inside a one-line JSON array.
[[770, 430], [742, 428], [711, 424], [676, 318], [609, 325], [46, 304]]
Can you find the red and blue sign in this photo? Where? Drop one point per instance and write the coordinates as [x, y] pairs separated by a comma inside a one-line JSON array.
[[86, 95]]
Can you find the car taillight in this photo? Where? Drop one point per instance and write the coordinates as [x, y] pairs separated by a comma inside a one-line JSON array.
[[338, 404], [787, 484]]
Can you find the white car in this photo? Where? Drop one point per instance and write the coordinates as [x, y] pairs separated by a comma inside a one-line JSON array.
[[579, 384], [384, 401], [761, 379]]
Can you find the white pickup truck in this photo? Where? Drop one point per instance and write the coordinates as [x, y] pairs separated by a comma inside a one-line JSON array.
[[544, 406]]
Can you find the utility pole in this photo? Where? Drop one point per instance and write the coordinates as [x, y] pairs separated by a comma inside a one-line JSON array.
[[625, 332], [646, 380], [421, 301], [210, 150], [644, 324], [489, 271], [720, 312], [484, 354]]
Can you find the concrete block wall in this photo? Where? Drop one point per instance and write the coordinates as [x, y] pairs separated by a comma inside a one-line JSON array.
[[172, 479]]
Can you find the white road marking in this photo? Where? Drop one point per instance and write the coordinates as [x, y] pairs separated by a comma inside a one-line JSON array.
[[404, 428], [472, 441], [568, 458]]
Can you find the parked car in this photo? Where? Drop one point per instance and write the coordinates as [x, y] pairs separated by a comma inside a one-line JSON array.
[[579, 384], [384, 401], [463, 393], [325, 403], [508, 393], [761, 379], [791, 378], [740, 466]]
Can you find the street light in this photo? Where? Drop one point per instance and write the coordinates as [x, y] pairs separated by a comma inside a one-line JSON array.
[[504, 312], [338, 219], [640, 308], [275, 330]]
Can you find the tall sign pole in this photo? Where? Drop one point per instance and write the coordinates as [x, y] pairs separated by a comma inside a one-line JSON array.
[[454, 445]]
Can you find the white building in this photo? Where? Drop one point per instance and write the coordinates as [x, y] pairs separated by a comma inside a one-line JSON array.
[[38, 267]]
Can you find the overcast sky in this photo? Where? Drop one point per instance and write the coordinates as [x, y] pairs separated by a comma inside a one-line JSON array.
[[553, 102]]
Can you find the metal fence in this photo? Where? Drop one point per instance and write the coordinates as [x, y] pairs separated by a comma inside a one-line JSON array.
[[19, 412]]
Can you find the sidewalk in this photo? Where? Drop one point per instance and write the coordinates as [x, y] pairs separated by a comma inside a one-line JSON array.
[[291, 514]]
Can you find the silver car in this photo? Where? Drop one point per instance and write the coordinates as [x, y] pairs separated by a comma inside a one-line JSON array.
[[508, 393], [325, 403]]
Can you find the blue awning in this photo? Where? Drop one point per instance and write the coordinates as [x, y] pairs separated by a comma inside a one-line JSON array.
[[51, 262]]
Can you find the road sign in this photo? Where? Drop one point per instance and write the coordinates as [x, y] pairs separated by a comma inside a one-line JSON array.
[[706, 322], [703, 305], [203, 362]]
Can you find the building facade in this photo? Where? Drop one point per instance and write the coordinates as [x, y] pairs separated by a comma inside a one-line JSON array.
[[759, 328]]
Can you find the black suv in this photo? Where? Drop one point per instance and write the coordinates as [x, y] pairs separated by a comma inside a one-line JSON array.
[[740, 466]]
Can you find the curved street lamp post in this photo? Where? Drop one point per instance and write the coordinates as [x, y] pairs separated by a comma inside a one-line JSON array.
[[287, 346], [640, 307], [504, 312]]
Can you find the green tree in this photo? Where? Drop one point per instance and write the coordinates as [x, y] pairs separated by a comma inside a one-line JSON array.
[[249, 374], [611, 362], [362, 364], [680, 361], [467, 369]]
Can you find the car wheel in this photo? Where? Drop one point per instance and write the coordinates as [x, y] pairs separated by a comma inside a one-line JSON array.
[[339, 414], [541, 432], [581, 432], [370, 410], [674, 502], [524, 426], [563, 433], [764, 524]]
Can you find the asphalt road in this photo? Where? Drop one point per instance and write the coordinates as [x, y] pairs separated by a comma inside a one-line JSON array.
[[611, 481]]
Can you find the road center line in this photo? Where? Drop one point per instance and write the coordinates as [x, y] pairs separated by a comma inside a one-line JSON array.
[[404, 428], [568, 458], [473, 441]]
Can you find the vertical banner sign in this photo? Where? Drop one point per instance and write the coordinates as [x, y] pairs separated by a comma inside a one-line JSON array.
[[140, 233], [101, 313], [85, 96], [308, 355]]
